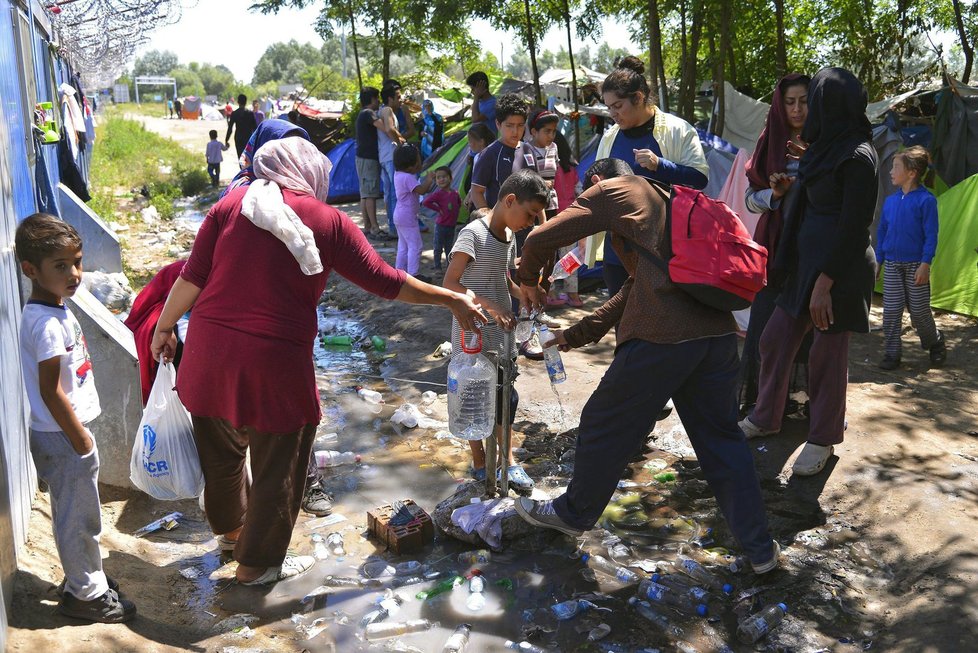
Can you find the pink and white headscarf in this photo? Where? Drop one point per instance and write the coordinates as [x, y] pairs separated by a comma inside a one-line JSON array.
[[297, 165]]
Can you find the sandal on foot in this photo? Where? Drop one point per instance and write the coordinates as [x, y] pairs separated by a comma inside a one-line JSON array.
[[478, 474], [812, 459], [752, 430], [517, 476], [291, 567]]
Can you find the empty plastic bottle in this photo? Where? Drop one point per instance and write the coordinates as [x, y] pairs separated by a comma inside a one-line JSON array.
[[525, 647], [567, 265], [599, 632], [446, 585], [383, 631], [379, 343], [608, 567], [331, 458], [570, 609], [477, 597], [657, 619], [374, 616], [342, 581], [686, 565], [319, 549], [458, 640], [551, 356], [478, 557], [376, 569], [471, 393], [656, 592], [337, 341], [323, 441], [370, 396], [409, 568], [419, 578], [757, 626], [335, 543]]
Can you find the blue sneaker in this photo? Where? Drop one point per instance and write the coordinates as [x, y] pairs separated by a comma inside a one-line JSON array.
[[478, 474]]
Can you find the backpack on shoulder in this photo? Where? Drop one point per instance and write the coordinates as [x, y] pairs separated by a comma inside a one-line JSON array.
[[713, 257]]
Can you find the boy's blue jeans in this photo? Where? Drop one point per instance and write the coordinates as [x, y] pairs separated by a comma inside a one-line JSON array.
[[76, 515], [390, 197], [444, 239]]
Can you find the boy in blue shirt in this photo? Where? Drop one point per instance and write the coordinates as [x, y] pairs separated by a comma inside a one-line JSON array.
[[58, 378], [496, 161], [905, 245]]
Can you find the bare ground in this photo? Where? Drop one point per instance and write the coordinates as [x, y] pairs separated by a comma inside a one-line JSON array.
[[881, 553]]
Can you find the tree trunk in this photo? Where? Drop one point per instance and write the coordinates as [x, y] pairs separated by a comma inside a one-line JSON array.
[[657, 70], [353, 38], [687, 110], [683, 56], [781, 49], [720, 77], [570, 53], [966, 46], [532, 46]]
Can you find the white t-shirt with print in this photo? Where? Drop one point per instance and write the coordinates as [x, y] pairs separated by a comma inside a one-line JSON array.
[[46, 331]]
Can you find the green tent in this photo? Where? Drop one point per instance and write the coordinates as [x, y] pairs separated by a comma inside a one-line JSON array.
[[954, 275], [454, 154]]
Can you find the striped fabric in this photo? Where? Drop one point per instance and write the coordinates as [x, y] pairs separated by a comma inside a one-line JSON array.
[[899, 292]]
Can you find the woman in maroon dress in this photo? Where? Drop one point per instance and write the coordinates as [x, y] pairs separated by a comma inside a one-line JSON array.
[[256, 272]]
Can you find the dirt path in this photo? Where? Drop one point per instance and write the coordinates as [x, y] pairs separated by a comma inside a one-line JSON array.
[[881, 553]]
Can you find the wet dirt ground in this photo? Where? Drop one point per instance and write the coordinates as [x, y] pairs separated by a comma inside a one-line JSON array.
[[878, 552]]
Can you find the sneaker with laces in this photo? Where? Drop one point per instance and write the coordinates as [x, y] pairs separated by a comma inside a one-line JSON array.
[[770, 565], [316, 501], [938, 351], [542, 514], [107, 609], [752, 430], [291, 567]]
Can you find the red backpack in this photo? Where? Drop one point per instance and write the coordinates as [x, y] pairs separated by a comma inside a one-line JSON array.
[[714, 258]]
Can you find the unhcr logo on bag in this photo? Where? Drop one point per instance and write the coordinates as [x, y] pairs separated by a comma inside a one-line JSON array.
[[160, 467]]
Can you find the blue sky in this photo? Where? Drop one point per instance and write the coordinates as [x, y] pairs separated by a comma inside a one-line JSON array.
[[225, 32]]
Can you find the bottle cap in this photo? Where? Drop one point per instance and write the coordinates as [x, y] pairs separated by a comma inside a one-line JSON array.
[[728, 588], [702, 610], [585, 557], [783, 607], [656, 577], [356, 457]]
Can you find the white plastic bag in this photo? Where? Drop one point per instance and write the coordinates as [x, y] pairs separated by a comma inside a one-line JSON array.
[[164, 461]]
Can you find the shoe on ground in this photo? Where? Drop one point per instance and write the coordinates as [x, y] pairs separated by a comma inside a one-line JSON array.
[[517, 476], [60, 590], [541, 513], [291, 567], [107, 609], [478, 474], [752, 430], [316, 501], [770, 565], [938, 351], [890, 363], [555, 301], [812, 459], [532, 350]]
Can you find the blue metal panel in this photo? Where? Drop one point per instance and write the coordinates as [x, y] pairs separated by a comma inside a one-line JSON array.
[[12, 114]]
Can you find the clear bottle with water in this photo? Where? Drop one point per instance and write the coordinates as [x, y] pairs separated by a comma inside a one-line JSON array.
[[458, 640], [567, 265], [471, 393], [551, 356], [757, 626], [335, 543], [524, 326], [383, 630], [608, 567], [659, 620], [329, 458], [525, 647], [686, 565], [477, 597]]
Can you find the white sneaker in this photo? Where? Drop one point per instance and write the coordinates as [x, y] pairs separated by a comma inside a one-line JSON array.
[[752, 430], [771, 564], [812, 459], [291, 567]]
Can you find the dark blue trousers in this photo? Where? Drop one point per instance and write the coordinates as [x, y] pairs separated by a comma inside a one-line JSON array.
[[701, 377]]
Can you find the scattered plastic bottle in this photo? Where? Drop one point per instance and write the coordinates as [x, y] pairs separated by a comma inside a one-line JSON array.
[[757, 626], [329, 458], [477, 597], [608, 567], [551, 356], [446, 585], [409, 568], [342, 581], [478, 557], [419, 578], [370, 396], [376, 569], [657, 619], [570, 609], [525, 647], [383, 631], [599, 632], [337, 341], [319, 549], [659, 593], [471, 393], [335, 543], [324, 440], [374, 616], [458, 640], [379, 343], [700, 574], [567, 265]]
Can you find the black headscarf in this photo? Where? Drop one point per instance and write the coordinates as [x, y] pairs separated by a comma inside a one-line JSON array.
[[836, 124]]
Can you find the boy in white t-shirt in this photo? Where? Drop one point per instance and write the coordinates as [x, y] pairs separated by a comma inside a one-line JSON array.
[[58, 376]]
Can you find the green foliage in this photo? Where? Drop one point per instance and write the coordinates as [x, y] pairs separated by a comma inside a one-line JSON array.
[[285, 62], [188, 82], [155, 63]]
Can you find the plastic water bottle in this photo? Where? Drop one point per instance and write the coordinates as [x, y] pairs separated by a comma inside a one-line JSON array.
[[700, 574], [687, 586], [331, 458], [383, 631], [524, 326], [376, 569], [337, 341], [353, 583], [335, 543], [409, 568], [551, 356], [471, 393], [478, 557], [319, 547], [757, 626], [446, 585], [458, 640], [477, 597], [659, 593], [570, 609], [525, 647], [567, 265], [608, 567], [657, 619]]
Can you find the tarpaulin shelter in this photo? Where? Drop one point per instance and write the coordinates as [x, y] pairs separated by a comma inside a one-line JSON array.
[[954, 274], [344, 185], [743, 118], [190, 108], [956, 133]]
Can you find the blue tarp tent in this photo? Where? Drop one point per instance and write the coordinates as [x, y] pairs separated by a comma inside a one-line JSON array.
[[344, 186]]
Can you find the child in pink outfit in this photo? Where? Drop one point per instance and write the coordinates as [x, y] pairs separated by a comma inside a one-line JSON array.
[[407, 165], [446, 202]]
